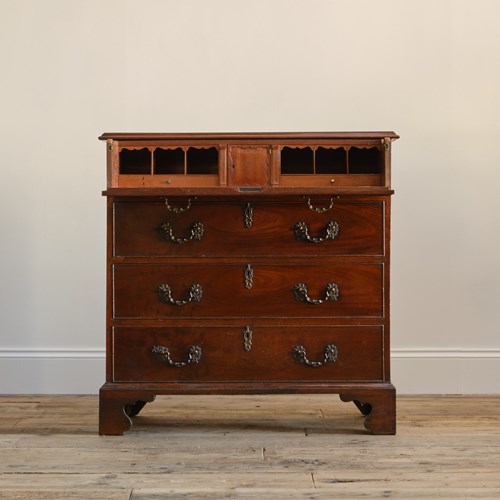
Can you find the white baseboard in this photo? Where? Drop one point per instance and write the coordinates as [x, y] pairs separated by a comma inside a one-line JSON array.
[[446, 371], [414, 371], [51, 371]]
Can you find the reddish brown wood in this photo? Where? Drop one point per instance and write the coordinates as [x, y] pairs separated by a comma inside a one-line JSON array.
[[223, 165], [243, 331], [235, 192], [275, 137], [117, 407], [245, 159], [269, 357], [224, 293], [360, 229], [158, 181], [109, 291], [381, 417], [249, 166]]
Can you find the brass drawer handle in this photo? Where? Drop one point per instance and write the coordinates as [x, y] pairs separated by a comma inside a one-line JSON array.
[[331, 293], [302, 232], [197, 232], [194, 355], [330, 355], [165, 294], [319, 209], [178, 210]]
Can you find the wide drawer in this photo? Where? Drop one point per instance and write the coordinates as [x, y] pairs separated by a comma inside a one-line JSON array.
[[244, 290], [247, 354], [221, 229]]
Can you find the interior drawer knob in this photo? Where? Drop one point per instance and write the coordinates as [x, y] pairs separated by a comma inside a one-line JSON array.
[[302, 232], [330, 355], [331, 293], [196, 233], [165, 294], [194, 355]]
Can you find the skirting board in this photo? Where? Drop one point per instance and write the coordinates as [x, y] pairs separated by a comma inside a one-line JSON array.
[[414, 371]]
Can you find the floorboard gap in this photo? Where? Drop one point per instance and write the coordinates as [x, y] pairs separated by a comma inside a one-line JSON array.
[[313, 481]]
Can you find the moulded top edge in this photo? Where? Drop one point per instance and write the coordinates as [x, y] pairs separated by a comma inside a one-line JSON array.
[[227, 191], [246, 136]]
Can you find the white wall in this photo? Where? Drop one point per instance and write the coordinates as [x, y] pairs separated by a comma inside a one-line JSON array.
[[426, 69]]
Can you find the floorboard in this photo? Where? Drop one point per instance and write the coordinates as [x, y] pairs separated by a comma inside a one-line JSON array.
[[280, 446]]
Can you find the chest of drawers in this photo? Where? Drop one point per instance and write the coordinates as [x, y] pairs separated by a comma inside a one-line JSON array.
[[248, 263]]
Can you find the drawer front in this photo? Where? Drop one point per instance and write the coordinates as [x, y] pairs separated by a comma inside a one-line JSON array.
[[240, 290], [247, 353], [221, 229]]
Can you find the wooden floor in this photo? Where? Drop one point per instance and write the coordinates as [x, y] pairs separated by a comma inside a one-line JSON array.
[[266, 447]]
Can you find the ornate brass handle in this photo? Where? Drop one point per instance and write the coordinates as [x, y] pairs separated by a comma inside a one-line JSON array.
[[197, 232], [330, 355], [302, 232], [178, 210], [319, 209], [194, 355], [331, 293], [165, 294]]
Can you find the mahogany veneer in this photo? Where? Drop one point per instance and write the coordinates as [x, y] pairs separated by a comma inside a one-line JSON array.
[[248, 263]]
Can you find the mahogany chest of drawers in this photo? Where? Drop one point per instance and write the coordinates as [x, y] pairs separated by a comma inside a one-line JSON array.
[[248, 263]]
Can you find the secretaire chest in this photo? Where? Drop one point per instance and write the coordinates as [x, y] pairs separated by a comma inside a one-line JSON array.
[[248, 263]]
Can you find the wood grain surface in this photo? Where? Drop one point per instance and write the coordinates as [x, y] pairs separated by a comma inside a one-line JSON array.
[[137, 229], [273, 446]]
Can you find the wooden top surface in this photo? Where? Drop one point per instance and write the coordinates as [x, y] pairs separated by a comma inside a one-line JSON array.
[[262, 192], [247, 136]]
